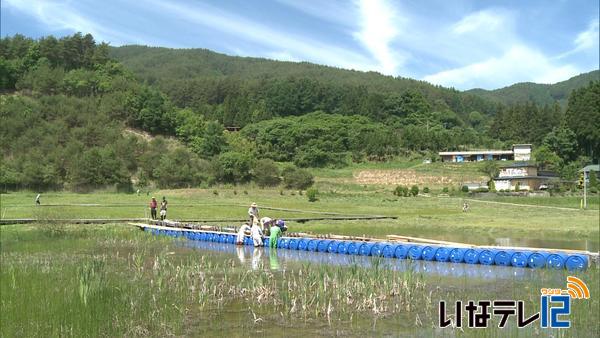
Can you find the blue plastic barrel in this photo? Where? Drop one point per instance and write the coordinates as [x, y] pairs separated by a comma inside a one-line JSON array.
[[283, 243], [323, 245], [222, 238], [415, 252], [388, 251], [457, 255], [486, 257], [376, 250], [556, 260], [313, 245], [248, 241], [428, 253], [294, 244], [537, 260], [520, 258], [231, 239], [472, 256], [163, 232], [576, 262], [303, 244], [342, 248], [365, 249], [401, 251], [353, 248], [332, 246], [503, 257], [442, 254], [266, 241], [209, 236]]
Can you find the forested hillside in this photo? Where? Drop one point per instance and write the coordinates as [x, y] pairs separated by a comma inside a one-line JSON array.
[[66, 106], [540, 94], [250, 89]]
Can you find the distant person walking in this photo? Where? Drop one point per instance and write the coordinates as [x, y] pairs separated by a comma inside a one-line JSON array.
[[465, 206], [253, 213], [37, 199], [153, 205], [163, 209]]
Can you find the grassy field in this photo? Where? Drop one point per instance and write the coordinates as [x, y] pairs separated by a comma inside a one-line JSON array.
[[111, 280], [519, 219]]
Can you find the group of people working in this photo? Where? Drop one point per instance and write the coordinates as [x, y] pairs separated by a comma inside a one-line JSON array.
[[258, 227]]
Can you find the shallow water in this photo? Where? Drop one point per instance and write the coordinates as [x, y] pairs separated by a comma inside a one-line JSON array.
[[285, 259]]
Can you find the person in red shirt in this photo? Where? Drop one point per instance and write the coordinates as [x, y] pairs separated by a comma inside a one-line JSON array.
[[153, 205]]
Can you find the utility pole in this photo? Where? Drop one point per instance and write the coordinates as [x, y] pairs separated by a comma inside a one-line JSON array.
[[584, 189]]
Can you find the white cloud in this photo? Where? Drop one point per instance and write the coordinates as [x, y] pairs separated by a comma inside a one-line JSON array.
[[300, 48], [589, 38], [482, 21], [60, 15], [337, 12], [518, 64], [378, 23]]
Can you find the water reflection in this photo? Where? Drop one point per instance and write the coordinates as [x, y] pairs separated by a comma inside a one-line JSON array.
[[273, 259]]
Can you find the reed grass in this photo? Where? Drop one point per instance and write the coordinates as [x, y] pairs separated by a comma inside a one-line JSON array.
[[65, 280]]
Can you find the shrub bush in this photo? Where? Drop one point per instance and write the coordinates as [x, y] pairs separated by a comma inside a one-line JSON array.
[[312, 194], [401, 191], [414, 190], [445, 190], [294, 178], [464, 188], [266, 173], [426, 190]]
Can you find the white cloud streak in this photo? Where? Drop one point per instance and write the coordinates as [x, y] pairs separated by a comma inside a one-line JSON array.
[[241, 28], [519, 64], [379, 23], [61, 15]]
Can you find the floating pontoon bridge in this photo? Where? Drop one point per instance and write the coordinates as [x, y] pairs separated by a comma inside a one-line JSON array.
[[395, 247]]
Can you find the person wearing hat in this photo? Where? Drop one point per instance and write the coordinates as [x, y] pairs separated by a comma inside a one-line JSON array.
[[281, 224], [153, 205], [253, 213]]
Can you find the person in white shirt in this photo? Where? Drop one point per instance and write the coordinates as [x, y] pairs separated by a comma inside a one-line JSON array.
[[266, 223], [242, 234], [37, 199], [257, 234], [253, 213]]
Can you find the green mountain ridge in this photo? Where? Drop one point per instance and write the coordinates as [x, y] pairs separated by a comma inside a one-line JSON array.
[[538, 93], [155, 65]]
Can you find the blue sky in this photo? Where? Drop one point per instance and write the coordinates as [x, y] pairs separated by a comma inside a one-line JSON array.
[[454, 43]]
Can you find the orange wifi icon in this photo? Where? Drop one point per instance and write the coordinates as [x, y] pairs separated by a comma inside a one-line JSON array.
[[577, 288]]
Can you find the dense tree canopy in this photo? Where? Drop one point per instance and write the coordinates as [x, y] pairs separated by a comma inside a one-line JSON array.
[[74, 117]]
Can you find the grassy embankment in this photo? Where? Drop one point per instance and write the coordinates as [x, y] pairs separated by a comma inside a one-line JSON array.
[[112, 280], [434, 216]]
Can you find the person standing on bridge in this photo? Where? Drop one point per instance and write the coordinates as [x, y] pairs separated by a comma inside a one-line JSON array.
[[153, 205], [163, 209], [253, 213]]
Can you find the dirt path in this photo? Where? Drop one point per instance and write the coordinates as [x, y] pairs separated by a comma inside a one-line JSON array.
[[528, 205]]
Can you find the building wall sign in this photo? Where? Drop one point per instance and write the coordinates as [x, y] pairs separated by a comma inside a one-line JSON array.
[[507, 172]]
